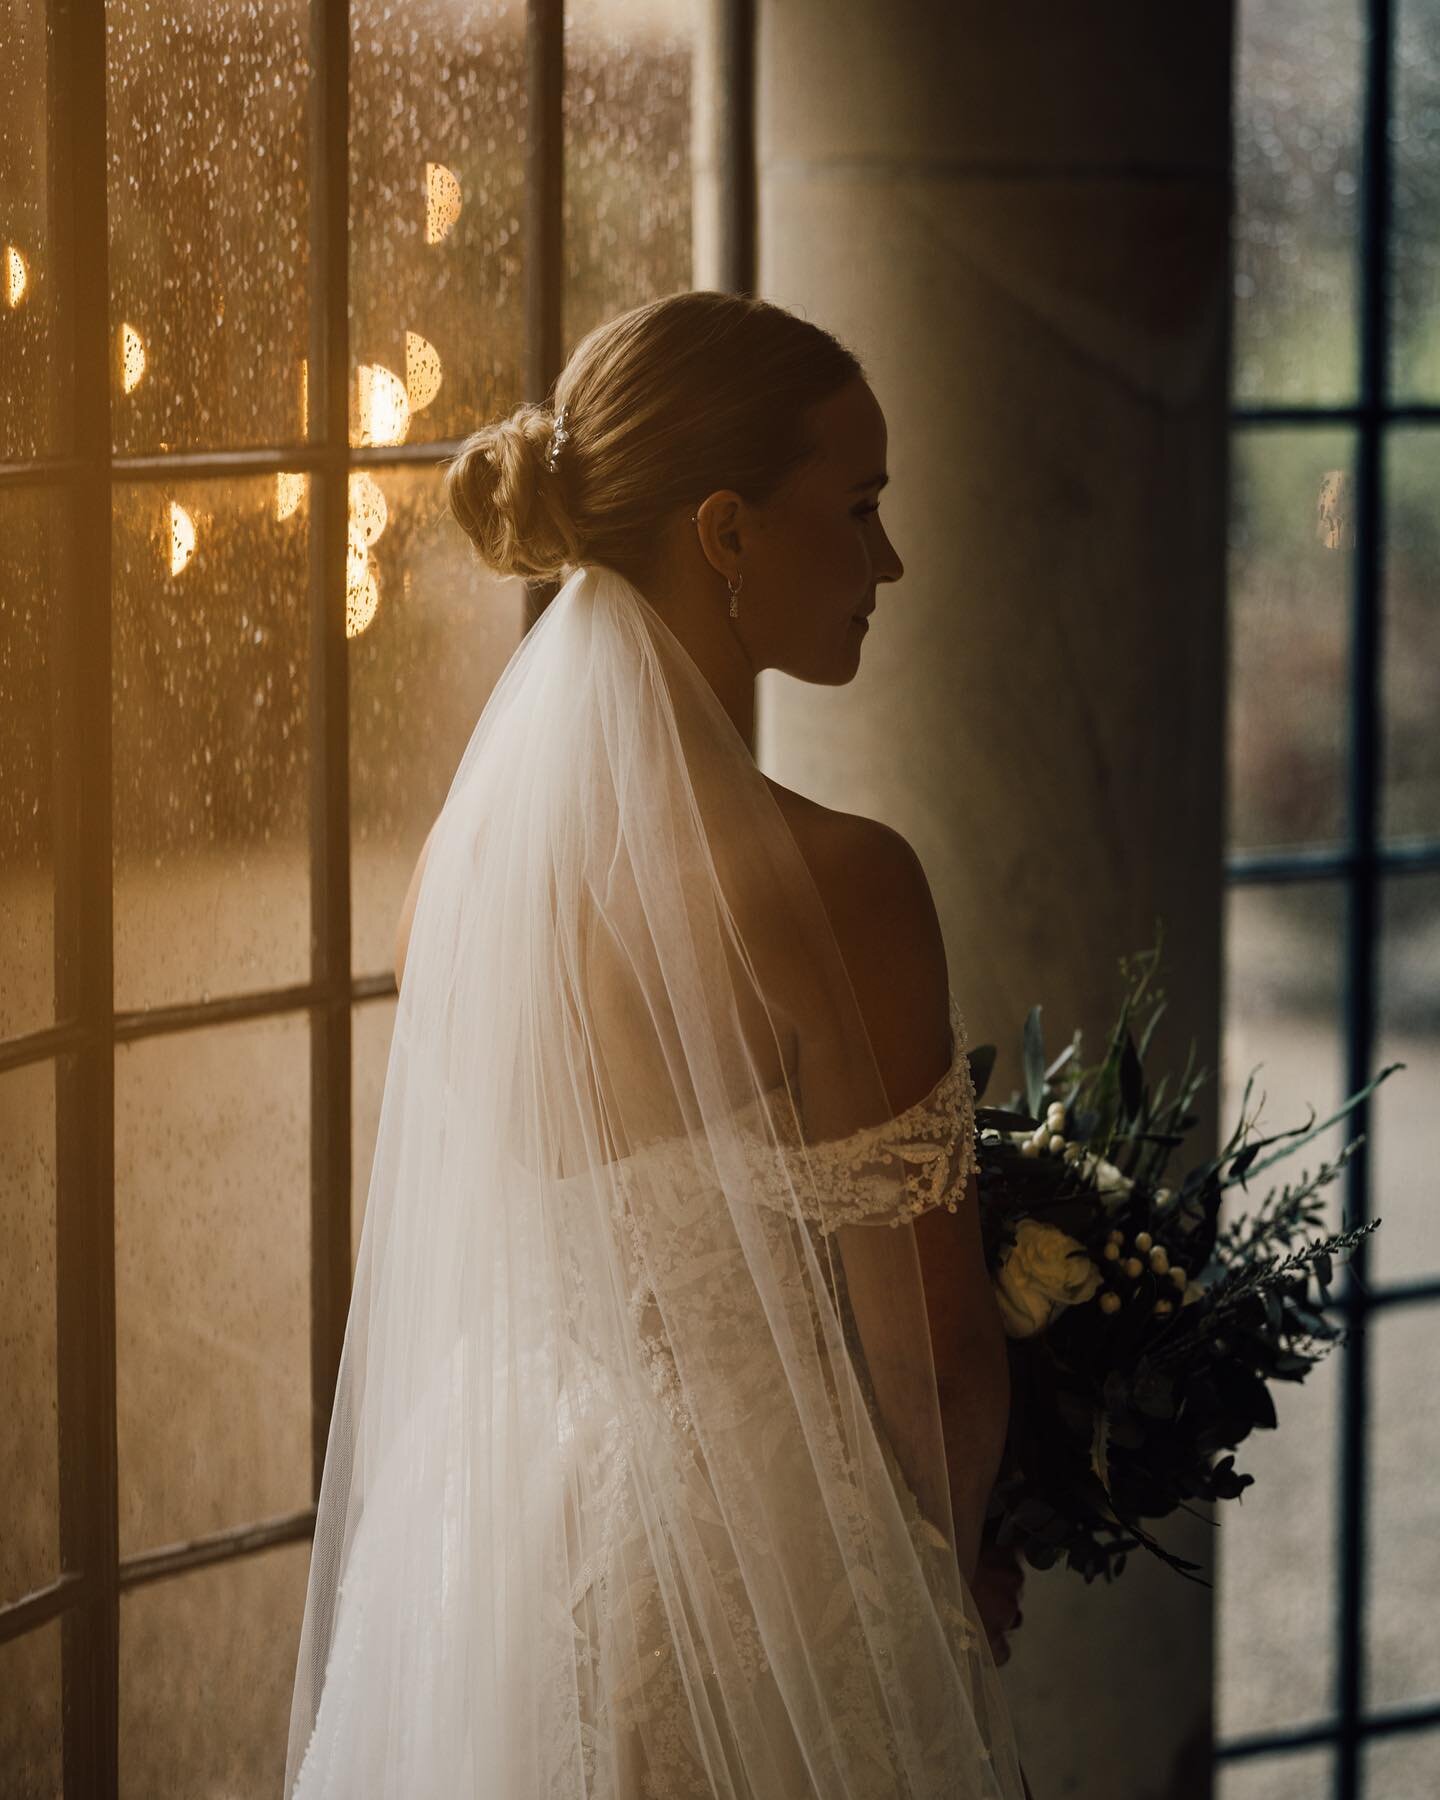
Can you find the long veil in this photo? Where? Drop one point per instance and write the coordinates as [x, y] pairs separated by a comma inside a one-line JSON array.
[[635, 1483]]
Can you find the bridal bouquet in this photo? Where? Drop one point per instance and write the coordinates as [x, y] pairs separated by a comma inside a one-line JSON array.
[[1143, 1334]]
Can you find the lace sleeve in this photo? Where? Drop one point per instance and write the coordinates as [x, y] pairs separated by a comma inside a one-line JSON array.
[[930, 1146]]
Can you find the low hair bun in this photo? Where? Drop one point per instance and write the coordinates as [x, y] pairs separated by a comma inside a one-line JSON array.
[[508, 503]]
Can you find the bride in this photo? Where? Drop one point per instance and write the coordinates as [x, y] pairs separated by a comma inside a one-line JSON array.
[[639, 1482]]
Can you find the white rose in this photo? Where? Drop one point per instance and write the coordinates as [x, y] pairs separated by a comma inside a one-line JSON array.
[[1044, 1270]]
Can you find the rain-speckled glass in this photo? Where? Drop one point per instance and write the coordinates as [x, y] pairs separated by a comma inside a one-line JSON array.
[[207, 1668], [1275, 1650], [32, 1739], [212, 1277], [211, 668], [1410, 639], [1292, 546], [34, 557], [627, 109], [1402, 1623], [209, 193], [35, 368], [440, 630], [29, 1445], [1405, 1125], [1297, 171], [1294, 1775], [1415, 226], [371, 1028], [437, 203]]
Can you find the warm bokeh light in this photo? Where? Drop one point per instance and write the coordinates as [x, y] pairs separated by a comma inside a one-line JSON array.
[[132, 358], [368, 511], [17, 276], [362, 588], [423, 374], [1333, 511], [304, 397], [289, 492], [182, 537], [384, 406], [442, 202]]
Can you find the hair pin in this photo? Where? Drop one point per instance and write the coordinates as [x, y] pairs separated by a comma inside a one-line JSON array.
[[559, 437]]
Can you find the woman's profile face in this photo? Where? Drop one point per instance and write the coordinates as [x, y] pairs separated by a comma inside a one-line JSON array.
[[814, 558]]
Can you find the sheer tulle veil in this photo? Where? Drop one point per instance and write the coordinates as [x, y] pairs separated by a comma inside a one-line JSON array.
[[611, 1477]]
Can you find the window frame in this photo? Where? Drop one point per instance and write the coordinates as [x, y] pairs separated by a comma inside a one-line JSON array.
[[85, 1594], [1360, 865]]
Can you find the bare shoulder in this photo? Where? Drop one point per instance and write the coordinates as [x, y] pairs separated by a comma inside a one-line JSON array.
[[881, 908]]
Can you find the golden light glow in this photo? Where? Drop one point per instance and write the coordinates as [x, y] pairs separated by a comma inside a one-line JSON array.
[[304, 397], [442, 202], [384, 406], [289, 492], [422, 370], [17, 276], [362, 589], [182, 537], [1335, 511], [132, 358], [368, 511]]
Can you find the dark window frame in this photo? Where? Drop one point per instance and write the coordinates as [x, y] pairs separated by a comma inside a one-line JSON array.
[[1360, 865], [85, 1595]]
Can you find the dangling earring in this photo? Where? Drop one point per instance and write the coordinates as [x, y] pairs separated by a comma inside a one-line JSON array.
[[734, 586]]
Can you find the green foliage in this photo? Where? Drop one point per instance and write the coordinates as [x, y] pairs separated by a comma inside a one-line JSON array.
[[1130, 1409]]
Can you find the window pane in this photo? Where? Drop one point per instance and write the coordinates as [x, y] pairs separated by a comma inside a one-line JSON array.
[[421, 670], [1415, 256], [212, 1247], [211, 665], [437, 199], [34, 372], [1291, 551], [209, 221], [31, 1737], [29, 1446], [372, 1025], [1410, 798], [1275, 1654], [1404, 1141], [207, 1665], [1402, 1624], [1400, 1766], [1297, 87], [628, 168], [32, 588], [1308, 1775], [1283, 950]]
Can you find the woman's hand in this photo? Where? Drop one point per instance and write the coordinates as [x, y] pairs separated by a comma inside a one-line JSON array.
[[999, 1578]]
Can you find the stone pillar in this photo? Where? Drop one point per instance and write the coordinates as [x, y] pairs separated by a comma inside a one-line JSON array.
[[1018, 218]]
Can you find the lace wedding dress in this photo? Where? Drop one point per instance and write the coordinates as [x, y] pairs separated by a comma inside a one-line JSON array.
[[635, 1486]]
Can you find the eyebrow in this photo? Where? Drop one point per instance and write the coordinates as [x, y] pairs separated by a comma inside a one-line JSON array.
[[874, 481]]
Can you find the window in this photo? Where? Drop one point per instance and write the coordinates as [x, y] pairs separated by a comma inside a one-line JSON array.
[[263, 266], [1328, 1646]]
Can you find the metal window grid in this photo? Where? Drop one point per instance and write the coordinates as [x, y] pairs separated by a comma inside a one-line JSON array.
[[1361, 866], [85, 1596]]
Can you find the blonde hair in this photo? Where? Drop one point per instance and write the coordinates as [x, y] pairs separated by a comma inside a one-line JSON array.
[[664, 404]]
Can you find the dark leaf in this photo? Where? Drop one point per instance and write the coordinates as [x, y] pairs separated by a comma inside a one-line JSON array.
[[982, 1065], [1132, 1079]]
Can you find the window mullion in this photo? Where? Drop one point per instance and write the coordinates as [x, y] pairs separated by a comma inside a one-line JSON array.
[[1363, 911], [77, 203], [328, 713]]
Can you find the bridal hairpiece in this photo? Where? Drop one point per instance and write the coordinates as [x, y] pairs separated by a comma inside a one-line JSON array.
[[560, 436]]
